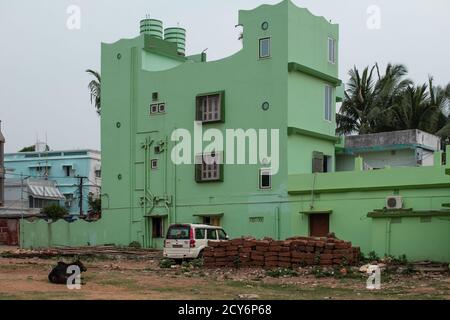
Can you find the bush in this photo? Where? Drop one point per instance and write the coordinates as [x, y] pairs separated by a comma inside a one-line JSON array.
[[55, 212], [372, 256], [166, 263], [135, 244]]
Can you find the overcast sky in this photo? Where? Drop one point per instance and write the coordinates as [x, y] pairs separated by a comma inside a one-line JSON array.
[[43, 84]]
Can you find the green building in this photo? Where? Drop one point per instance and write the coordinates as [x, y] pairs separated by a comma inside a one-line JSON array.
[[286, 78]]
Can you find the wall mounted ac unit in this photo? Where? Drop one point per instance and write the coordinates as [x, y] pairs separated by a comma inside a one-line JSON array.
[[394, 202]]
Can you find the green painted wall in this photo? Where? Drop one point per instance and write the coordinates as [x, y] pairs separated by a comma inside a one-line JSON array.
[[133, 193]]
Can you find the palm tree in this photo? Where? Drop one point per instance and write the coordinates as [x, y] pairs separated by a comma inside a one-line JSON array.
[[367, 101], [95, 90], [416, 110]]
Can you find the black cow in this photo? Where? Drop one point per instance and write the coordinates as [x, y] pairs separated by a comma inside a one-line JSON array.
[[59, 273]]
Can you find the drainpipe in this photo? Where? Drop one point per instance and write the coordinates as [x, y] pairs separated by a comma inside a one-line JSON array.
[[388, 237], [277, 222]]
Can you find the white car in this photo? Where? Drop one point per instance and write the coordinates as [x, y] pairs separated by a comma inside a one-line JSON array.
[[187, 241]]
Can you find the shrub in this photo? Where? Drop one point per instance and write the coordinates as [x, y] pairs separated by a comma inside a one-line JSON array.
[[55, 212], [135, 244], [373, 256], [281, 272], [166, 263]]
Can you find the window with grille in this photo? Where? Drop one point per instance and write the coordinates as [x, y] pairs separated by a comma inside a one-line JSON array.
[[328, 103], [331, 50], [209, 167], [210, 107]]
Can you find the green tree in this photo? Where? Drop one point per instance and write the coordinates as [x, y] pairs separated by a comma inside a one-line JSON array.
[[55, 212], [95, 90], [368, 99]]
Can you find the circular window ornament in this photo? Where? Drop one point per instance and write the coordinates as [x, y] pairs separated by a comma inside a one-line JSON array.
[[119, 176], [119, 56], [118, 124], [265, 106], [265, 25]]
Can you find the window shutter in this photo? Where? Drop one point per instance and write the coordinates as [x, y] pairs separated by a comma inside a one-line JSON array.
[[222, 106], [198, 173], [221, 167], [198, 109], [317, 162]]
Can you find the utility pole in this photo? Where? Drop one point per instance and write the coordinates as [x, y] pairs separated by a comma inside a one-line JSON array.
[[80, 191]]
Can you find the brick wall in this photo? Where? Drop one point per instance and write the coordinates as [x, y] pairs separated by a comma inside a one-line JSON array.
[[298, 251], [9, 232]]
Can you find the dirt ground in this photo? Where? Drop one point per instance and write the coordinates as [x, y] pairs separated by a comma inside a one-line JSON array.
[[144, 279]]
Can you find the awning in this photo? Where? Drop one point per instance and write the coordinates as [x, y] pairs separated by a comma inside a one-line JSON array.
[[317, 212], [217, 214], [45, 191]]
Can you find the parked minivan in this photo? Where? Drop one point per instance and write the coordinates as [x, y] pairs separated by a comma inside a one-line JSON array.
[[187, 241]]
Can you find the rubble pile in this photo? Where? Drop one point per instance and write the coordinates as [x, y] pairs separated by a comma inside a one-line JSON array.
[[297, 251]]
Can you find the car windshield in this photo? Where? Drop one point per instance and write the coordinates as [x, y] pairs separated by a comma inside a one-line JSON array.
[[178, 232]]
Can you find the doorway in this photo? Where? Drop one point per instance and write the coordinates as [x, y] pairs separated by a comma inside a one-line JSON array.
[[319, 225]]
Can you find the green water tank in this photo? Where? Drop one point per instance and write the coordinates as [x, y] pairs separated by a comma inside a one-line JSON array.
[[152, 27], [178, 36]]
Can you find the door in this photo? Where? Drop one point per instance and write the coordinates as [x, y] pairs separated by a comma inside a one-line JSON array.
[[319, 225]]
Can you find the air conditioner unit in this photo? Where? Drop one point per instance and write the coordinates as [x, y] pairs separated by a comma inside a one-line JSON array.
[[394, 202]]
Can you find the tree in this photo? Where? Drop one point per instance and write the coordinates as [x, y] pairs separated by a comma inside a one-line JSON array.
[[368, 100], [391, 102], [95, 90], [33, 148], [55, 212]]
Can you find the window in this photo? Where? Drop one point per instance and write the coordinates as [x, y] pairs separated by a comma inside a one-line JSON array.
[[155, 96], [68, 171], [328, 102], [222, 235], [211, 234], [265, 179], [158, 230], [331, 50], [210, 107], [178, 232], [212, 221], [264, 48], [317, 162], [327, 165], [153, 109], [40, 203], [162, 108], [200, 233], [321, 163], [98, 173], [69, 200], [208, 167], [154, 164]]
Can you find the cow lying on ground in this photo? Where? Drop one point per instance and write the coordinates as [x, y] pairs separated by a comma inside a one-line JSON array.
[[59, 273]]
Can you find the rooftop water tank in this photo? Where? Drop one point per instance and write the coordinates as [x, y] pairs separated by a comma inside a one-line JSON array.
[[178, 36], [152, 27]]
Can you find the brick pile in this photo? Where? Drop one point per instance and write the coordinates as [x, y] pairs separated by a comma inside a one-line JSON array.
[[297, 251]]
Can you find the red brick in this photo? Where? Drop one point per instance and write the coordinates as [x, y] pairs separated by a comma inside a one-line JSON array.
[[285, 254], [271, 258], [271, 254], [284, 264]]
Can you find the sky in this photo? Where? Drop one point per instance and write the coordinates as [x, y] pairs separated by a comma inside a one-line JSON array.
[[43, 84]]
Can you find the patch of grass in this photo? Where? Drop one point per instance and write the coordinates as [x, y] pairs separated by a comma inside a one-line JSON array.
[[281, 272], [121, 282]]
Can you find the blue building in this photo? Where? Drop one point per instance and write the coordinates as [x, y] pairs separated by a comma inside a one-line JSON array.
[[75, 173]]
